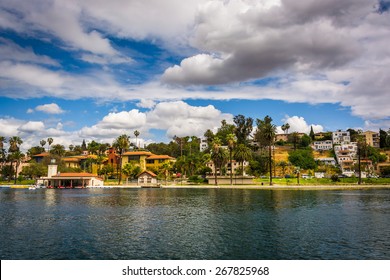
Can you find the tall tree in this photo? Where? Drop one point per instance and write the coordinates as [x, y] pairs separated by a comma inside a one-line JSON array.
[[58, 150], [231, 142], [225, 130], [136, 134], [50, 141], [42, 143], [121, 144], [266, 132], [14, 143], [242, 153], [2, 151], [218, 156], [287, 126], [16, 157], [243, 129], [311, 134]]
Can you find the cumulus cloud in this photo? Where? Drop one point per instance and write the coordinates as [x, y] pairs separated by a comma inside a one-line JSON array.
[[52, 108], [176, 117], [32, 127], [299, 124]]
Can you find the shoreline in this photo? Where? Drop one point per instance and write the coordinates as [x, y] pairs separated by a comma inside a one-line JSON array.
[[248, 187]]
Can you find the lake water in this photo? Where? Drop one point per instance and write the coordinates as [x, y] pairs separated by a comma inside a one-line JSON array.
[[193, 224]]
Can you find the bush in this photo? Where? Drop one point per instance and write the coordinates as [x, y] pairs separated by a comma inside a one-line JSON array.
[[335, 178]]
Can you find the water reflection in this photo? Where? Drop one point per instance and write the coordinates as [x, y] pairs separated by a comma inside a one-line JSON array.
[[194, 224]]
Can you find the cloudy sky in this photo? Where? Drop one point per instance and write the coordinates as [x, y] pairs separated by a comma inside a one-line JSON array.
[[94, 69]]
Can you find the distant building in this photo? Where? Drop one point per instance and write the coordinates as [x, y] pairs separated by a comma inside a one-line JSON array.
[[147, 178], [372, 138], [341, 137], [326, 161], [322, 145], [203, 145]]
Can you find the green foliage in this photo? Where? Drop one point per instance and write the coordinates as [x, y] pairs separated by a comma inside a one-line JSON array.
[[305, 141], [34, 170], [335, 178], [302, 158], [243, 128], [35, 150], [258, 165]]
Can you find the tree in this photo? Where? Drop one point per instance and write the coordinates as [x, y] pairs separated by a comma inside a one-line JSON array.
[[83, 146], [14, 154], [265, 135], [231, 142], [3, 155], [14, 143], [243, 128], [305, 141], [218, 156], [58, 150], [285, 127], [302, 158], [361, 149], [93, 147], [242, 153], [121, 144], [131, 170], [283, 165], [312, 135], [224, 131], [16, 157], [35, 150], [42, 143], [50, 141], [136, 134], [294, 139], [382, 138]]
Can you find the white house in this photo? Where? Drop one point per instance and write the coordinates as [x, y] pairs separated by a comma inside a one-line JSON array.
[[147, 178], [322, 145], [340, 137]]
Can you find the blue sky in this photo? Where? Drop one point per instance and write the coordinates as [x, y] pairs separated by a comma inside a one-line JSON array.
[[95, 69]]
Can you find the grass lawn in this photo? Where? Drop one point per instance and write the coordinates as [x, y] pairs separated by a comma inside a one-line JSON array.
[[323, 181]]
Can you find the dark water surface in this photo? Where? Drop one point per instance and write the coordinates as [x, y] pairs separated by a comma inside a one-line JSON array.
[[193, 224]]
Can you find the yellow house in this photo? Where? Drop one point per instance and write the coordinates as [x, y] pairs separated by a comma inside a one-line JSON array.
[[155, 161], [136, 157], [145, 159]]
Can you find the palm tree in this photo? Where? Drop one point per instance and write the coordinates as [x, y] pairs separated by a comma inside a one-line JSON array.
[[266, 132], [242, 153], [58, 150], [2, 151], [16, 157], [43, 143], [287, 127], [14, 143], [121, 144], [218, 156], [136, 133], [231, 141], [50, 141]]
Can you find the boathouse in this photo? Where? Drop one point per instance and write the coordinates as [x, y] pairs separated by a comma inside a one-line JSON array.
[[147, 178]]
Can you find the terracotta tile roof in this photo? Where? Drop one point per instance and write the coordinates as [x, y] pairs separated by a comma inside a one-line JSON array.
[[71, 159], [74, 174], [160, 157], [149, 172], [138, 153], [45, 154]]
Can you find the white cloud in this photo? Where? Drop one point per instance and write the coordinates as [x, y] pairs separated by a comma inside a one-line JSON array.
[[176, 117], [299, 124], [146, 103], [32, 127], [123, 120], [52, 108]]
